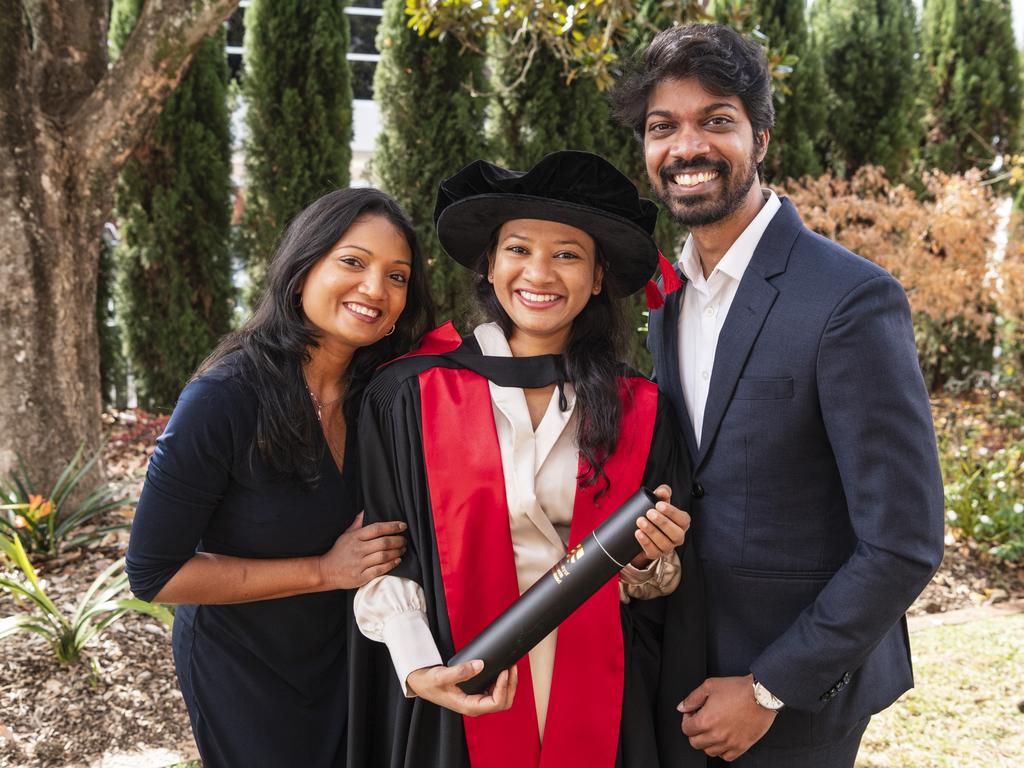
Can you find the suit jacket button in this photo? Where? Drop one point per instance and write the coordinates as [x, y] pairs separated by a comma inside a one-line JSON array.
[[698, 491]]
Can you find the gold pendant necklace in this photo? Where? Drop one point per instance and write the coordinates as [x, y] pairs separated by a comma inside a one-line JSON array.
[[320, 406]]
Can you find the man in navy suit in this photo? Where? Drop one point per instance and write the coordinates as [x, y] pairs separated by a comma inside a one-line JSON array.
[[817, 500]]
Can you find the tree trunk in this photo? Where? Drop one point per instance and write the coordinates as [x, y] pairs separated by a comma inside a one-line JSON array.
[[67, 124]]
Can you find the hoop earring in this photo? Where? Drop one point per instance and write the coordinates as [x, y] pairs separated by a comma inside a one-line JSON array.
[[391, 331]]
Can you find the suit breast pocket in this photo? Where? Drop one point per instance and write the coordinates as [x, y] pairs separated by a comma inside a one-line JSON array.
[[758, 388]]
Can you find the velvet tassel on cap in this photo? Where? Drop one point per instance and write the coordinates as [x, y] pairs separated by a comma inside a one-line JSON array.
[[670, 282]]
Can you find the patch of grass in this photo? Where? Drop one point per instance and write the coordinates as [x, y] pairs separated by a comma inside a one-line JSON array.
[[964, 710]]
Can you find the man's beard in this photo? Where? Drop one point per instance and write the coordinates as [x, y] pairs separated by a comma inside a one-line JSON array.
[[701, 210]]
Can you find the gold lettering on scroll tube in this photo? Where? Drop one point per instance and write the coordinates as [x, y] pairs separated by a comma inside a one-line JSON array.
[[560, 571]]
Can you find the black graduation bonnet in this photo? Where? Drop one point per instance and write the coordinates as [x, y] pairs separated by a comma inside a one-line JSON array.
[[575, 188]]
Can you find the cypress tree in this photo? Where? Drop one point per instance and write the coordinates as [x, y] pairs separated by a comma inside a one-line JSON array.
[[973, 83], [174, 205], [113, 360], [545, 113], [799, 114], [431, 127], [298, 88], [869, 47]]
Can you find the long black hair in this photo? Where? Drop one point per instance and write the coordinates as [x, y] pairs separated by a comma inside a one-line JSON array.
[[270, 349], [597, 343]]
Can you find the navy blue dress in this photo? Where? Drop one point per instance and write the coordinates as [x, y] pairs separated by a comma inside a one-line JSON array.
[[265, 683]]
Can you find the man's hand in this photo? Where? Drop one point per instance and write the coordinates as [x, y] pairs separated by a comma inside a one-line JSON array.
[[722, 718], [438, 685], [661, 530]]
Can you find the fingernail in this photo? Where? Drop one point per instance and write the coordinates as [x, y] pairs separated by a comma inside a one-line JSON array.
[[477, 665], [680, 708], [652, 513], [402, 526]]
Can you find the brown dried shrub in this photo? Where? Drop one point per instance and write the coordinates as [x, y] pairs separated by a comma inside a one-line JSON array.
[[935, 242]]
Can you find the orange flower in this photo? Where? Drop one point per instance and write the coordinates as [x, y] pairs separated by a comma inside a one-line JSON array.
[[37, 508]]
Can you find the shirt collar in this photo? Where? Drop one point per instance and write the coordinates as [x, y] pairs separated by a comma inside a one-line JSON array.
[[735, 261], [493, 343], [492, 340]]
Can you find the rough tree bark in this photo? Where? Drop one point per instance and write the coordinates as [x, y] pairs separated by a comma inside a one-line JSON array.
[[67, 124]]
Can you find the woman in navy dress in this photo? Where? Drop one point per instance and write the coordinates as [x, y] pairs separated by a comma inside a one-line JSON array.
[[249, 517]]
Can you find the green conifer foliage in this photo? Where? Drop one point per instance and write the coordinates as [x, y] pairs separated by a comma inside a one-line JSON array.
[[298, 88], [174, 206], [544, 114], [868, 48], [800, 112], [113, 359], [430, 127], [973, 82]]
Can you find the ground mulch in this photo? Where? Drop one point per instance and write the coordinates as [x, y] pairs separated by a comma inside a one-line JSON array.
[[123, 697]]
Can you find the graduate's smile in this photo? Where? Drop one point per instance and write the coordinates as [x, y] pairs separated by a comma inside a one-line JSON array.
[[537, 299], [543, 273]]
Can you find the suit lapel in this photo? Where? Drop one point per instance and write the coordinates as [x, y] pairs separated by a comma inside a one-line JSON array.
[[754, 299]]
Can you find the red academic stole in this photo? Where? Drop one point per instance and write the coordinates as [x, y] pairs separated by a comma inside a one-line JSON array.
[[467, 495]]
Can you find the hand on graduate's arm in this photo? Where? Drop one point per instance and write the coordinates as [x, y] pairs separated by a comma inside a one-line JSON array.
[[362, 553], [439, 685], [722, 718], [662, 530]]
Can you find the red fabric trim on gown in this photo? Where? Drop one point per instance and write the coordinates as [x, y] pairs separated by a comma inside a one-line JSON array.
[[470, 512]]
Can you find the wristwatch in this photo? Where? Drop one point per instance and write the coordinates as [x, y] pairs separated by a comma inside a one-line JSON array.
[[766, 698]]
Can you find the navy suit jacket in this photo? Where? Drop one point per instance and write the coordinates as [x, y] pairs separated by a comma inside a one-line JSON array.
[[818, 502]]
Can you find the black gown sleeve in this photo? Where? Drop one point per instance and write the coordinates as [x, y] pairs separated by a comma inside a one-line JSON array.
[[387, 730], [669, 635], [187, 476]]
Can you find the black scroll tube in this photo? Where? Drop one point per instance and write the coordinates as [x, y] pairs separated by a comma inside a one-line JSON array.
[[556, 594]]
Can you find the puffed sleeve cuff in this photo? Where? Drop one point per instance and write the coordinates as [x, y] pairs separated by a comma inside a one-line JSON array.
[[392, 610], [411, 645], [659, 578]]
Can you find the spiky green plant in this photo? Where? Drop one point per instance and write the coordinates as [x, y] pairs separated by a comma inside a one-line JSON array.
[[47, 522], [101, 605]]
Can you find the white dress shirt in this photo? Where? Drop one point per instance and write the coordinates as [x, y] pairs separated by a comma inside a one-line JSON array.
[[706, 304], [540, 470]]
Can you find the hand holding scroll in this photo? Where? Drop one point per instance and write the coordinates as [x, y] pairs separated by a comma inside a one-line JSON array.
[[661, 530], [439, 685]]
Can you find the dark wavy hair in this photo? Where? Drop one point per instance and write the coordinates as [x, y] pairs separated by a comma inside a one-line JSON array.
[[269, 350], [597, 344], [722, 60]]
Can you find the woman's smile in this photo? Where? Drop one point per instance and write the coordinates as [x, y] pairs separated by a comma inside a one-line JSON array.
[[537, 299], [363, 312]]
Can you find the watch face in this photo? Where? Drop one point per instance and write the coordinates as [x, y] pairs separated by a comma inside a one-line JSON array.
[[765, 698]]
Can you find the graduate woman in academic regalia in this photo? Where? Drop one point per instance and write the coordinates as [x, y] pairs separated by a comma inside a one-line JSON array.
[[501, 450]]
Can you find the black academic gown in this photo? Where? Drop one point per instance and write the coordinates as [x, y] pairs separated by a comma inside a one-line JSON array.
[[388, 730]]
